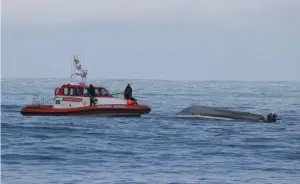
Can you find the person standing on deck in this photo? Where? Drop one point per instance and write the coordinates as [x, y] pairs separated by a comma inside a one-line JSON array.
[[128, 92], [92, 94]]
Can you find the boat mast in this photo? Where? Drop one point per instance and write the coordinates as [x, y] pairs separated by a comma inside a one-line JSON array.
[[76, 69]]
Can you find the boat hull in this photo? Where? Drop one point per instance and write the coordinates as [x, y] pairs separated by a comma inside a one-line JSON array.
[[205, 112], [97, 110]]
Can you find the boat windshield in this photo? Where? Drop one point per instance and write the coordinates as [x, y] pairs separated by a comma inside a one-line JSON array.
[[104, 91], [107, 92]]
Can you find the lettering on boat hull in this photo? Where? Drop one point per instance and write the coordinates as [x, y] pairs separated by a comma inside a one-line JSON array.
[[111, 106]]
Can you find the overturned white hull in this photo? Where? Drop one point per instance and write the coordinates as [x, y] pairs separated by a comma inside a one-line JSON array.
[[202, 117], [205, 112]]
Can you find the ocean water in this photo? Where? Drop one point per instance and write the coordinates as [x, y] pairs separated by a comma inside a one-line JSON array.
[[156, 148]]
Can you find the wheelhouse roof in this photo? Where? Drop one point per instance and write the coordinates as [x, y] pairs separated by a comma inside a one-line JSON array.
[[80, 85]]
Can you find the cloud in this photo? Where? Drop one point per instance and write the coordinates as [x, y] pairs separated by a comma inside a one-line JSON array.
[[78, 11]]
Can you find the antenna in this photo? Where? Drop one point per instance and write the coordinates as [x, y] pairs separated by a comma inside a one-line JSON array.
[[76, 69]]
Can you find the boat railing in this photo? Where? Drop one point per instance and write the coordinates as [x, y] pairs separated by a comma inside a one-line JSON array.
[[38, 100], [118, 95]]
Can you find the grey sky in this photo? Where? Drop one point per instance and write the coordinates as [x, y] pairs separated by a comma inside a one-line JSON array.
[[169, 39]]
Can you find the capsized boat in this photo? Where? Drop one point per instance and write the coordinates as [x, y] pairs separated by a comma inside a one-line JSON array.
[[205, 112], [73, 99]]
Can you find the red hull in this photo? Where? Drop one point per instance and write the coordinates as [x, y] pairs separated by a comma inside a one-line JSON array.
[[98, 110]]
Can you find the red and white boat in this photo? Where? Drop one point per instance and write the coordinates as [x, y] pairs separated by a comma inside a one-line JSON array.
[[73, 100]]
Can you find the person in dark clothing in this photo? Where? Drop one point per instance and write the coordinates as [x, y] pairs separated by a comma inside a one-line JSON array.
[[128, 94], [92, 94], [271, 117]]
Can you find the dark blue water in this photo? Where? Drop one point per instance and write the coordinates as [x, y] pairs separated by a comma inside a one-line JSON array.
[[156, 148]]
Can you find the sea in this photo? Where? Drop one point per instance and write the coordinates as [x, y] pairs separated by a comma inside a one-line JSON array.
[[157, 147]]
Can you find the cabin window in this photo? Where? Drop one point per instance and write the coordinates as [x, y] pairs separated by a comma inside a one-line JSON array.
[[72, 91], [79, 91], [66, 91], [85, 91], [96, 92]]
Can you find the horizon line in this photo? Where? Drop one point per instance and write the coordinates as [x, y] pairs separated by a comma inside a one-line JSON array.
[[158, 79]]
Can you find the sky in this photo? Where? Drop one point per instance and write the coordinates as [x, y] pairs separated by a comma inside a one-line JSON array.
[[152, 39]]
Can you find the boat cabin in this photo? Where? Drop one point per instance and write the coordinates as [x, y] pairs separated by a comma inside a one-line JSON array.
[[80, 90], [76, 95]]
